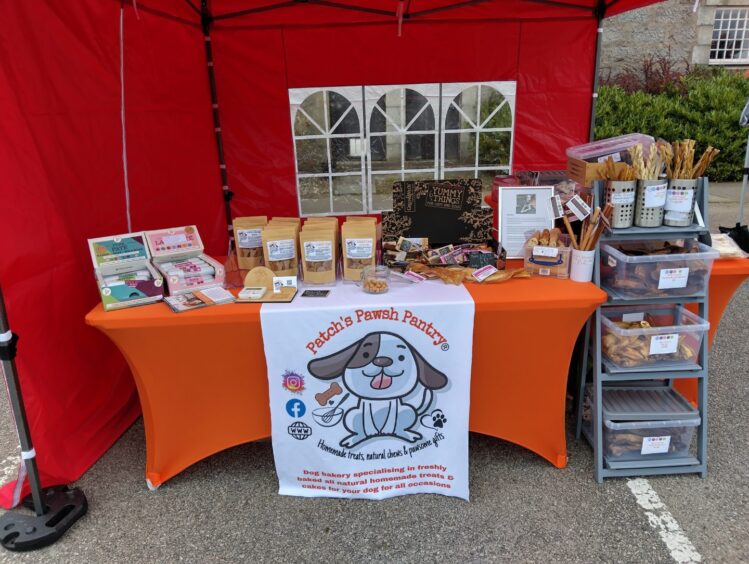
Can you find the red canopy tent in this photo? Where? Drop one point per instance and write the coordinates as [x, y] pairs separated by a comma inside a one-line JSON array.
[[79, 78]]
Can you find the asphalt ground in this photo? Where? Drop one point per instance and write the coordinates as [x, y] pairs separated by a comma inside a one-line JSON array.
[[226, 508]]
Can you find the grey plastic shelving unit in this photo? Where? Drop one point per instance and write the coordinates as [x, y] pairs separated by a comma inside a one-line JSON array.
[[649, 379]]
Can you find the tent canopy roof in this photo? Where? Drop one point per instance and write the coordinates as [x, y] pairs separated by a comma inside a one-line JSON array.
[[273, 13]]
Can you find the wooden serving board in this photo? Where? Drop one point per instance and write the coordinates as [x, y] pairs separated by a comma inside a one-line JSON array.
[[286, 295]]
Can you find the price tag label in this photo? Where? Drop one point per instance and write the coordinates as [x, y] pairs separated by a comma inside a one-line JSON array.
[[578, 207], [281, 249], [555, 207], [413, 276], [250, 238], [673, 278], [679, 200], [483, 273], [622, 198], [281, 281], [655, 195], [318, 251], [664, 344], [359, 248], [655, 445], [541, 251], [616, 157]]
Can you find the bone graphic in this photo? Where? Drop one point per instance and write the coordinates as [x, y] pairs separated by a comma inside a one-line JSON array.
[[323, 397]]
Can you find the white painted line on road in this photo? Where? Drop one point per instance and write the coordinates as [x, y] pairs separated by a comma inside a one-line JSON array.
[[660, 519]]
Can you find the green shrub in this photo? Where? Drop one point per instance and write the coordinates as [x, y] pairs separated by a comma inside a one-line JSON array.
[[706, 107]]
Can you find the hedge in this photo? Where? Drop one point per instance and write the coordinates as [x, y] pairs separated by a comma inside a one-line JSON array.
[[704, 106]]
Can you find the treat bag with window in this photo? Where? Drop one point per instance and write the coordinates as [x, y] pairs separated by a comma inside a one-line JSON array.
[[280, 250], [248, 238], [359, 245], [318, 255]]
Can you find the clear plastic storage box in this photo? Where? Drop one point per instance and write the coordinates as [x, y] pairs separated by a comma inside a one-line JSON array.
[[656, 269], [662, 335], [641, 440], [641, 424]]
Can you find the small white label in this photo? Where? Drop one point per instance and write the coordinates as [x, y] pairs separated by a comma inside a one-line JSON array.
[[544, 271], [622, 198], [541, 251], [655, 445], [679, 200], [250, 238], [616, 157], [555, 206], [655, 195], [673, 278], [578, 206], [633, 317], [681, 217], [281, 249], [281, 281], [359, 248], [664, 344], [484, 272], [318, 251], [174, 240], [612, 261]]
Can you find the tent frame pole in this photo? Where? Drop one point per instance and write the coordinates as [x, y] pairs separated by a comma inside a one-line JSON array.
[[57, 508], [206, 20], [600, 14]]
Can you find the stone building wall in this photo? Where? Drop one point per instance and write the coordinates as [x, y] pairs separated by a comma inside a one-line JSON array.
[[628, 37]]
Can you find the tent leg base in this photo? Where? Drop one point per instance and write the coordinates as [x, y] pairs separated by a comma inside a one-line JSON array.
[[63, 507]]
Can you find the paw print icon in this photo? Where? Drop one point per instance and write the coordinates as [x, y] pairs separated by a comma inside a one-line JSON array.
[[438, 419]]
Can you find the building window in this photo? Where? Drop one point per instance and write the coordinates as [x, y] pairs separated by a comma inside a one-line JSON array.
[[328, 143], [402, 140], [730, 43], [352, 143], [477, 132]]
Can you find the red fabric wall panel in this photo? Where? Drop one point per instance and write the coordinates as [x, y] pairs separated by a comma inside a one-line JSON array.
[[551, 62], [60, 153], [62, 183], [255, 119], [555, 81]]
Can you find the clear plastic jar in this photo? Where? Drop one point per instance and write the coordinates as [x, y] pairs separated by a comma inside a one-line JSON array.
[[375, 279]]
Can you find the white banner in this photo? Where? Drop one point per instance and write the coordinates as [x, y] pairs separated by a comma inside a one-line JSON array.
[[369, 394]]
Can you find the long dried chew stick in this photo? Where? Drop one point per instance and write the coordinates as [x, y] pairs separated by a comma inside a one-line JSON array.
[[588, 230], [570, 232], [596, 235]]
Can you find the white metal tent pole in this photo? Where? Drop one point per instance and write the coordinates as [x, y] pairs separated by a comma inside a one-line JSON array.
[[742, 197], [600, 13]]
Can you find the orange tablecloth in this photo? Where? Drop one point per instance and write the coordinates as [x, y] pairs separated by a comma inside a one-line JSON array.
[[726, 277], [203, 387]]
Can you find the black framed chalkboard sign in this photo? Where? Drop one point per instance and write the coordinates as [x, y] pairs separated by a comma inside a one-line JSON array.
[[444, 211]]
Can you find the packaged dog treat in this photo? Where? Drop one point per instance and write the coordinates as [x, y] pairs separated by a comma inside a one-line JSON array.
[[318, 254], [358, 242], [248, 238], [280, 250]]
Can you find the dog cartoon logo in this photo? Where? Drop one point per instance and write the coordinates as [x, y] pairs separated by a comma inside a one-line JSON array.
[[392, 384]]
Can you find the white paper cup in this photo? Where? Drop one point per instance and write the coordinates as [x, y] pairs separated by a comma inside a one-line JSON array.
[[581, 265]]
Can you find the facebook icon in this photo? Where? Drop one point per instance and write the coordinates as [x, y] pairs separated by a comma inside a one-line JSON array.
[[295, 408]]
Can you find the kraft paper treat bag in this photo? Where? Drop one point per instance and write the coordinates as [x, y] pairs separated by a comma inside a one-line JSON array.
[[248, 233], [358, 248], [280, 250], [318, 255], [367, 219]]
